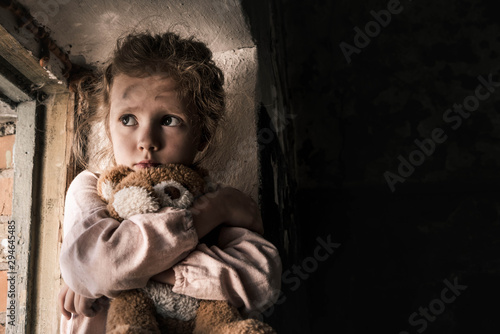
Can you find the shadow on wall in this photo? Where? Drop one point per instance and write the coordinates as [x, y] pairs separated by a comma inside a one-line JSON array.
[[396, 139]]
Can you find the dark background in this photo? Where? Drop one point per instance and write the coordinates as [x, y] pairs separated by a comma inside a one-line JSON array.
[[323, 170]]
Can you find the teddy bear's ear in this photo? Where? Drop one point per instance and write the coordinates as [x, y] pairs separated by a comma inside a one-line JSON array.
[[109, 179], [201, 183], [200, 170]]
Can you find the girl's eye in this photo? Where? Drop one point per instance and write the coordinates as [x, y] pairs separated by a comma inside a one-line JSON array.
[[128, 120], [170, 121]]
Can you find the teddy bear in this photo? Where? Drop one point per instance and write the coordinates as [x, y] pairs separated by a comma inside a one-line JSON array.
[[156, 308]]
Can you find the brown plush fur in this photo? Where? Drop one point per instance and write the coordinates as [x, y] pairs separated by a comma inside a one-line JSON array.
[[213, 317], [132, 311], [132, 304], [219, 317]]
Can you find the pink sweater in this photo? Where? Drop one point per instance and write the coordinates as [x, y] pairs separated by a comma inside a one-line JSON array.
[[101, 257]]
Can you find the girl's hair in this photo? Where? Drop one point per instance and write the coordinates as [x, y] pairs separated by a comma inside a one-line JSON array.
[[185, 60]]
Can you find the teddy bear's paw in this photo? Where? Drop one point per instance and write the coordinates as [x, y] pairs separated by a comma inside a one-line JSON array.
[[219, 317], [131, 312], [248, 326]]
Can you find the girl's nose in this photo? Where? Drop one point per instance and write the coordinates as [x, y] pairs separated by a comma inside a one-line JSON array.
[[148, 141]]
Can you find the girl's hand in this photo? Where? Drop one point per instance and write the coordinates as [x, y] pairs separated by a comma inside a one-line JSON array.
[[165, 277], [226, 206], [241, 210], [61, 298], [71, 302]]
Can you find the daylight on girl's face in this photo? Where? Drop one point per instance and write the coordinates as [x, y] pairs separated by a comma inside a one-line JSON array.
[[149, 124]]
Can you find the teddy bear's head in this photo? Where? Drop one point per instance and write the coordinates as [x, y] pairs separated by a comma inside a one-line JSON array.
[[130, 192]]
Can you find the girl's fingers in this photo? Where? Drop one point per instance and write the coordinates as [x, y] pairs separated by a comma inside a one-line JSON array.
[[69, 302], [60, 301]]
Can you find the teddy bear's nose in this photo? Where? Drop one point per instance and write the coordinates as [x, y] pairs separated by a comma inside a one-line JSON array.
[[173, 192]]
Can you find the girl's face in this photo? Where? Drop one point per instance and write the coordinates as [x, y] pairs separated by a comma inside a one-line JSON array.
[[148, 123]]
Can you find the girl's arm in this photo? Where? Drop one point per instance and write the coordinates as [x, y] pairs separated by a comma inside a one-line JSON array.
[[243, 268], [227, 206], [101, 256]]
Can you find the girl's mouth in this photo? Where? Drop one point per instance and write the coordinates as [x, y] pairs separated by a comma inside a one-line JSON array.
[[147, 164]]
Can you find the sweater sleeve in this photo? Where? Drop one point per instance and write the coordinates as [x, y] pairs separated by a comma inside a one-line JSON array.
[[101, 256], [244, 269]]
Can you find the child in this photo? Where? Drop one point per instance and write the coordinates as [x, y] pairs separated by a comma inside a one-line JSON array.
[[161, 100]]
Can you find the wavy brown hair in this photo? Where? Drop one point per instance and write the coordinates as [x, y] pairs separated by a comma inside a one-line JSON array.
[[187, 61]]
